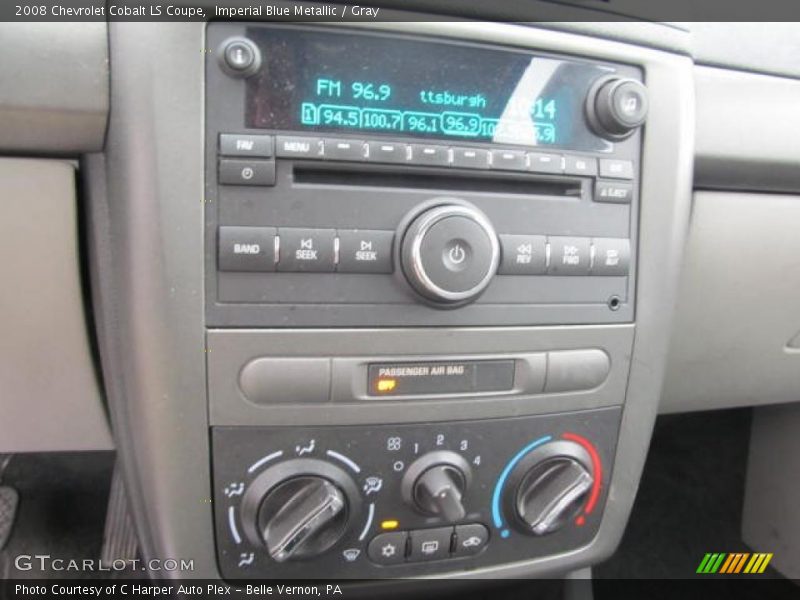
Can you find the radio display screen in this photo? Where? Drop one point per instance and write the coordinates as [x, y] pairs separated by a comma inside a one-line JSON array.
[[375, 85]]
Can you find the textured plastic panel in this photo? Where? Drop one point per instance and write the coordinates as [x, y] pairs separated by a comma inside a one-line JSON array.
[[770, 519], [747, 131], [59, 98], [738, 305], [51, 397]]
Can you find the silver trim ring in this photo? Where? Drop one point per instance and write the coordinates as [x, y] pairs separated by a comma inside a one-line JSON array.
[[429, 219]]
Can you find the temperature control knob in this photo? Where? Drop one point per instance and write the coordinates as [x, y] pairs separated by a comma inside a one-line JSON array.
[[617, 107], [435, 484], [549, 487], [449, 253], [299, 508]]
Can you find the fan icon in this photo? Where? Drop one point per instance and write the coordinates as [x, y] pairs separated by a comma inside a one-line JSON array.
[[388, 550]]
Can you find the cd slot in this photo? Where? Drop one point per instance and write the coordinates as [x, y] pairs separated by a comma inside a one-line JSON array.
[[348, 175]]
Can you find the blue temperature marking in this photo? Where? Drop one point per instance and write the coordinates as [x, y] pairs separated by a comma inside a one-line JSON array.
[[501, 481]]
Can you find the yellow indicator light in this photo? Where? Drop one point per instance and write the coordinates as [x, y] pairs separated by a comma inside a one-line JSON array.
[[390, 524], [386, 385]]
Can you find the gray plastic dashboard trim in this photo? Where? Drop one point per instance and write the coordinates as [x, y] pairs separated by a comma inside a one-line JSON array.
[[55, 95], [747, 131], [152, 278]]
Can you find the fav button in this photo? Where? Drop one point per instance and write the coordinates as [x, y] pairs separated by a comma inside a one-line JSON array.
[[569, 256], [430, 544], [523, 255], [365, 251], [388, 548], [309, 250], [470, 539], [240, 144]]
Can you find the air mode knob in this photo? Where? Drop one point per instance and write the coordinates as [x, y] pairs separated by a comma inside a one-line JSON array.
[[549, 487], [616, 107], [435, 484], [299, 508], [449, 253]]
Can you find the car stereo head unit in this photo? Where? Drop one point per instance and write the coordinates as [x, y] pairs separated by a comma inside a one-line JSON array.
[[356, 178]]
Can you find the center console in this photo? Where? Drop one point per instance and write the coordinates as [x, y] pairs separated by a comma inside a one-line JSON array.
[[394, 296]]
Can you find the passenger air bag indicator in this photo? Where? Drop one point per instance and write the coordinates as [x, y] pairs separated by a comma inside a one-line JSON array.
[[440, 377]]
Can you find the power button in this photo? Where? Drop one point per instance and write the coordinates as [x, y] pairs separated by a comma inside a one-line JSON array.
[[450, 253]]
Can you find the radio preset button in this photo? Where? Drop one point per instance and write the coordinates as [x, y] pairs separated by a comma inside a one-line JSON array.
[[612, 256], [247, 248], [580, 165], [470, 158], [613, 191], [235, 144], [541, 162], [386, 152], [341, 149], [509, 160], [306, 250], [616, 169], [365, 251], [523, 255], [288, 146], [569, 256], [424, 154], [233, 171]]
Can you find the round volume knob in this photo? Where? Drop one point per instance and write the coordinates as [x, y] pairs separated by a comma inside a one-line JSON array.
[[450, 253], [299, 508], [435, 484], [549, 487], [617, 107]]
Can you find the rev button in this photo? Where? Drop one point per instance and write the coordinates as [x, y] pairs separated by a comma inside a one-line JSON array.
[[308, 250]]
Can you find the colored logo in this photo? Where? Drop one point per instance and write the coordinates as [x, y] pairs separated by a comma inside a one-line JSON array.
[[734, 563]]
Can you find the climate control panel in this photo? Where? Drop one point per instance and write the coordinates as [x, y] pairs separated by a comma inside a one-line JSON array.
[[402, 500]]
